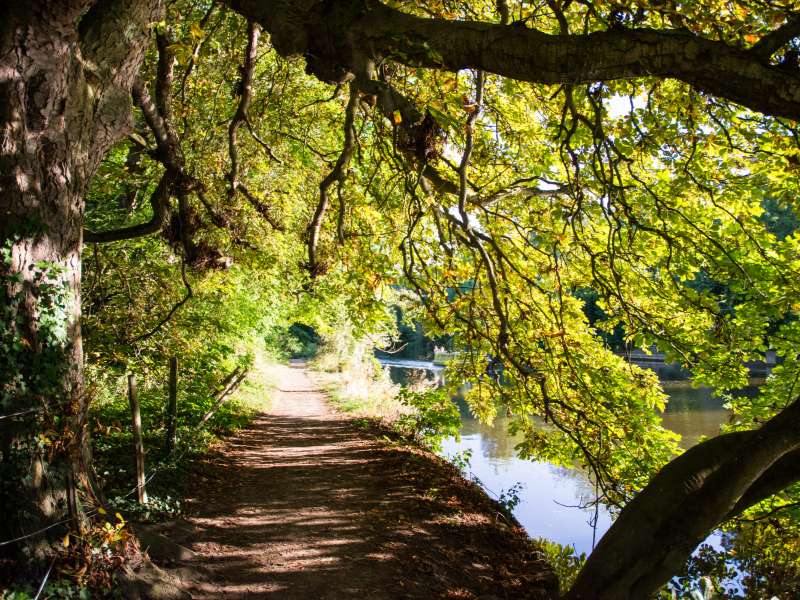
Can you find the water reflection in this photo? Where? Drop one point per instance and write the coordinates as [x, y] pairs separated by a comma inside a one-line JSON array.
[[695, 412], [552, 496]]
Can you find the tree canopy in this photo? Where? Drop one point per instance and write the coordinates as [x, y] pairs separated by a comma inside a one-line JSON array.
[[495, 162]]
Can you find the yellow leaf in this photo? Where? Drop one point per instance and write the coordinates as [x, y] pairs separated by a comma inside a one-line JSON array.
[[66, 541], [119, 517], [397, 117], [196, 31], [101, 510]]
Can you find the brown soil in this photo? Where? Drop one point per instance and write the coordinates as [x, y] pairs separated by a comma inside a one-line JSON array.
[[307, 504]]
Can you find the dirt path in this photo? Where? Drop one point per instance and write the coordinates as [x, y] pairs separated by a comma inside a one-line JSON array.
[[304, 504]]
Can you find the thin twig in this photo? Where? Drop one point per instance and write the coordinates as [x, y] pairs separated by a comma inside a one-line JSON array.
[[173, 310]]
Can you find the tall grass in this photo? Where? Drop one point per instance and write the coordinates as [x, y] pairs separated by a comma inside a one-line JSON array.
[[347, 369]]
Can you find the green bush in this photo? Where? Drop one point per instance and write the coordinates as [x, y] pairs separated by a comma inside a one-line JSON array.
[[434, 417], [563, 559]]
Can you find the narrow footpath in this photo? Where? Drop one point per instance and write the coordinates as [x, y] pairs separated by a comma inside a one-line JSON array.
[[306, 504]]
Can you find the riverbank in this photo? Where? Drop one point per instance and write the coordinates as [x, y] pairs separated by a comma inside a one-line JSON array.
[[306, 503]]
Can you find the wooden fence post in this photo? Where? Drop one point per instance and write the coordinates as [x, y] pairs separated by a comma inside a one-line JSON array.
[[172, 407], [138, 446]]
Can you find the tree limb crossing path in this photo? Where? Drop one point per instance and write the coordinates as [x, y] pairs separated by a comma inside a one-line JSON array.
[[305, 503]]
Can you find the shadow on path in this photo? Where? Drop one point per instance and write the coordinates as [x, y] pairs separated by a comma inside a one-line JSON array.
[[305, 504]]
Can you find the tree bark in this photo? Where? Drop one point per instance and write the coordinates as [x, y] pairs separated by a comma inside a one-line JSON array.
[[65, 75]]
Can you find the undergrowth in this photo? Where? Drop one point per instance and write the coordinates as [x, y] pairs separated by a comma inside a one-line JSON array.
[[85, 563], [355, 381], [167, 473]]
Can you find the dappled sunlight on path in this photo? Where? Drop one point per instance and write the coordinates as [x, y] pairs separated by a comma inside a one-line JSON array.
[[305, 504]]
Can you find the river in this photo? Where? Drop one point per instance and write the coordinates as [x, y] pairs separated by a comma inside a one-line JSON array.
[[551, 496]]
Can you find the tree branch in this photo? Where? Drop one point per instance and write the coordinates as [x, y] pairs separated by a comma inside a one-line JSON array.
[[777, 39], [172, 311], [167, 143], [165, 76], [159, 200], [114, 35], [263, 209], [262, 143], [245, 98], [685, 500], [780, 475], [336, 175], [389, 100], [167, 152], [376, 30]]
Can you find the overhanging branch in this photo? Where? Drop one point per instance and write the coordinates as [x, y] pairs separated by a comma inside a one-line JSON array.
[[245, 97], [159, 200], [688, 497], [247, 71], [376, 30], [335, 176]]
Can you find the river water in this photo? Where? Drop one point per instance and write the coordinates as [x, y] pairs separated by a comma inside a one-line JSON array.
[[551, 497]]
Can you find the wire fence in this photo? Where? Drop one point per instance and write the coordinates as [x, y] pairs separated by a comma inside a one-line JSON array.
[[21, 413], [44, 580]]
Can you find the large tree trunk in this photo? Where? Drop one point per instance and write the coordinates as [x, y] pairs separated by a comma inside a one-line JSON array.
[[655, 533], [44, 176], [65, 76]]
